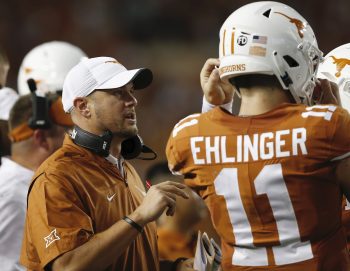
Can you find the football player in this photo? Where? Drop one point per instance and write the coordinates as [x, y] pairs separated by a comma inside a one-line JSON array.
[[47, 64], [274, 175]]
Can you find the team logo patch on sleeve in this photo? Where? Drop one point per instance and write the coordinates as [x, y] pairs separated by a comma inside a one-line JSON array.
[[52, 237]]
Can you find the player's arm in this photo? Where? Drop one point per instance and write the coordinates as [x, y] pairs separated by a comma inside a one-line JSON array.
[[216, 92], [343, 176], [103, 248]]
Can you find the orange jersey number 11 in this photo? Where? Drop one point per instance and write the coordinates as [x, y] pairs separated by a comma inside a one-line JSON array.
[[270, 182]]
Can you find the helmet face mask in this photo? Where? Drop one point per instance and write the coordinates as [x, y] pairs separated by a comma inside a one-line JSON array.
[[336, 68], [48, 65], [270, 38]]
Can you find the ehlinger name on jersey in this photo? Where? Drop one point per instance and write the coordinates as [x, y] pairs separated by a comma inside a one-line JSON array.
[[215, 149]]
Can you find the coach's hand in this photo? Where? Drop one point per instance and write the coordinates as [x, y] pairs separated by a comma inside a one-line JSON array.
[[158, 198], [215, 91]]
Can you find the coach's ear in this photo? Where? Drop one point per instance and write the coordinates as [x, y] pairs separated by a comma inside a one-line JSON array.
[[82, 105], [40, 139]]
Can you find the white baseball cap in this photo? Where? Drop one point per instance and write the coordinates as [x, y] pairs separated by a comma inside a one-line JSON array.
[[100, 73]]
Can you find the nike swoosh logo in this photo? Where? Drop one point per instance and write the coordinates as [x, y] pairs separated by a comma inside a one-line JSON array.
[[142, 192], [111, 197]]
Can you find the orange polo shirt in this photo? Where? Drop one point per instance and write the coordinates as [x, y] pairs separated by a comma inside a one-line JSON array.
[[76, 194]]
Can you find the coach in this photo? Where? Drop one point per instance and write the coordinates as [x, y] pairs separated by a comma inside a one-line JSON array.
[[87, 207]]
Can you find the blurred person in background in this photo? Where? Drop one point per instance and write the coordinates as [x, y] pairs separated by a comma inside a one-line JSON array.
[[336, 68], [87, 207], [30, 147], [177, 234], [7, 98], [47, 64]]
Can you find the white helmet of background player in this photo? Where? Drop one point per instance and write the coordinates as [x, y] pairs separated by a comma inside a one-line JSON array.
[[270, 38], [48, 65], [336, 68]]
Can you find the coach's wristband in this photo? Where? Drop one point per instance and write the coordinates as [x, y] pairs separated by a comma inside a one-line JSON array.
[[133, 223]]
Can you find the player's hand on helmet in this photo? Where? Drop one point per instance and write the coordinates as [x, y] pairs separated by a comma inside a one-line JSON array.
[[159, 198], [216, 92], [326, 92]]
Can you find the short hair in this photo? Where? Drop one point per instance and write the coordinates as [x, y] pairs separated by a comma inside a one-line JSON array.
[[255, 80], [22, 110]]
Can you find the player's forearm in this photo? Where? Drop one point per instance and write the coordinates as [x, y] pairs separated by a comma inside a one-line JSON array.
[[100, 251]]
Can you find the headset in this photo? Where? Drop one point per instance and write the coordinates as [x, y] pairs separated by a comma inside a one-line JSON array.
[[41, 105], [131, 147]]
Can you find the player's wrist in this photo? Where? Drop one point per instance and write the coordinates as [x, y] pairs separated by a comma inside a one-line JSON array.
[[206, 106], [213, 99]]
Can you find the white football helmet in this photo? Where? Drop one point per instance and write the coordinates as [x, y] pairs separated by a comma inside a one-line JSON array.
[[271, 38], [48, 64], [336, 68]]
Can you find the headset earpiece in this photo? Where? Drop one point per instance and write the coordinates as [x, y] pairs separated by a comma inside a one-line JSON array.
[[40, 106], [133, 147]]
